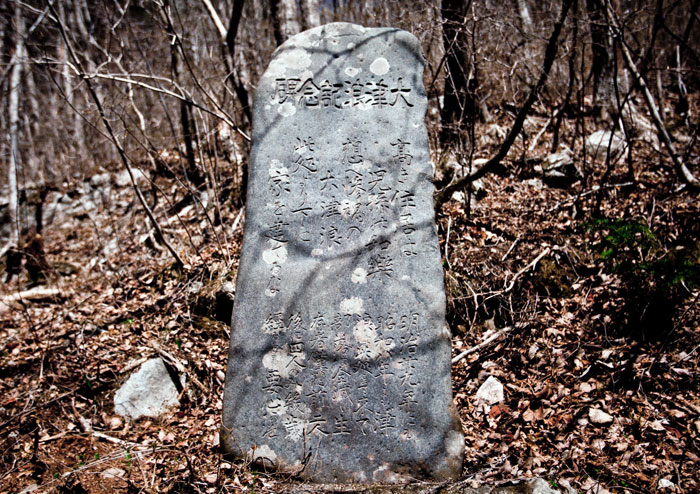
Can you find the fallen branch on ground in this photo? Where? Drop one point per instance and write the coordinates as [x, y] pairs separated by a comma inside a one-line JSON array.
[[35, 294], [483, 344], [527, 268]]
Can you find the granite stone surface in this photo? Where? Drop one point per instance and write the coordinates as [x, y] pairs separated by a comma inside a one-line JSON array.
[[339, 365]]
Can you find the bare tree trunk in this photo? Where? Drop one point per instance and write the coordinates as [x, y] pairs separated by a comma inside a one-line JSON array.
[[459, 99], [228, 39], [285, 19], [602, 59], [310, 13], [525, 18], [15, 82], [228, 45], [192, 172]]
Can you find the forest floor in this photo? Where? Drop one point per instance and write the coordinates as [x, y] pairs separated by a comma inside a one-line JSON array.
[[595, 400]]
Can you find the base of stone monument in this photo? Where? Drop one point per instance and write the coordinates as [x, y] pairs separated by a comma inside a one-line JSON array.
[[519, 486]]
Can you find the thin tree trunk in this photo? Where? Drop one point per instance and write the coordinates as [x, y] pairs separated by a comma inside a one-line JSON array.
[[285, 19], [228, 51], [13, 109], [601, 59], [310, 13], [570, 88], [458, 99], [228, 39], [525, 18], [192, 172]]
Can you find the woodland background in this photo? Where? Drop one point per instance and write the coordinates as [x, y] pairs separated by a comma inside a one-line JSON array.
[[571, 256]]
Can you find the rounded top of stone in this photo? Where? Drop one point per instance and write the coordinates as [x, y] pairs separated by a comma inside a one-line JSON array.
[[336, 36]]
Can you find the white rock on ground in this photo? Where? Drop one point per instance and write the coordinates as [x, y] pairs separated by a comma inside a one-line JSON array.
[[597, 416], [113, 473], [148, 392], [541, 486], [597, 144], [491, 391], [123, 179], [666, 484]]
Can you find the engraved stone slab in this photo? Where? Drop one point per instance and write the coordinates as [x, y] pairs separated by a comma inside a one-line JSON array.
[[339, 366]]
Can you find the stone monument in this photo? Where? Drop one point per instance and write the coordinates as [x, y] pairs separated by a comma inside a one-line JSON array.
[[339, 366]]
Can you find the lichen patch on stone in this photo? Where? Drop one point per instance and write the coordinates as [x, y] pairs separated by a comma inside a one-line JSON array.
[[295, 58], [287, 109], [352, 305], [370, 346], [276, 253], [262, 452], [347, 208], [286, 364], [380, 66], [359, 276]]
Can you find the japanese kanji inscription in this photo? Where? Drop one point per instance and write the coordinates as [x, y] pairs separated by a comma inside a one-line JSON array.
[[339, 366]]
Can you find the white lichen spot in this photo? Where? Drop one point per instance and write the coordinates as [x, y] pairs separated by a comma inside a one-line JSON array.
[[278, 173], [385, 474], [405, 278], [275, 71], [295, 58], [454, 444], [380, 66], [276, 253], [406, 436], [300, 410], [364, 165], [262, 452], [359, 276], [268, 107], [347, 208], [350, 46], [277, 407], [317, 252], [352, 305], [248, 379], [363, 105], [286, 363], [352, 71], [359, 29], [270, 293], [369, 345], [287, 109]]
